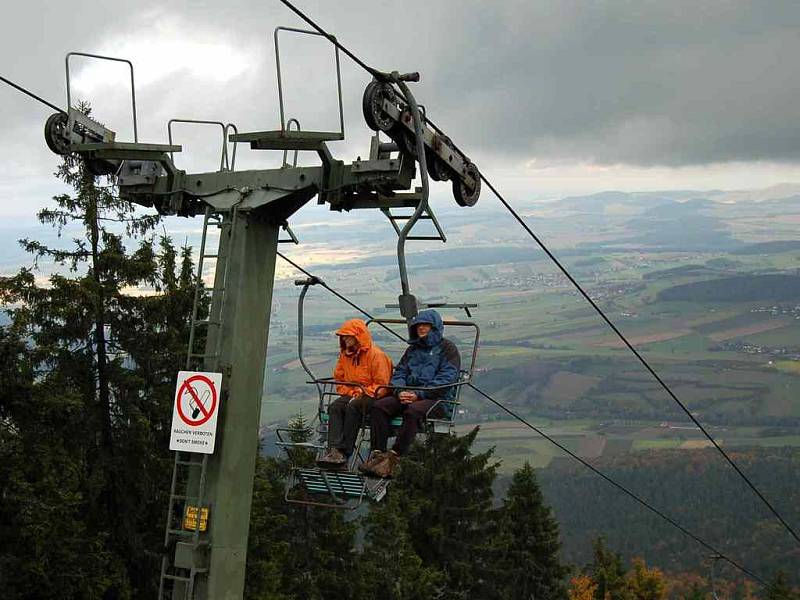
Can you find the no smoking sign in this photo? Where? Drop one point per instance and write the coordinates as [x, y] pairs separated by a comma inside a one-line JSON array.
[[195, 410]]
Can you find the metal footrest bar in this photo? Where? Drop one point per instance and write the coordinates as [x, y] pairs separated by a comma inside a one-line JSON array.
[[339, 483], [330, 489]]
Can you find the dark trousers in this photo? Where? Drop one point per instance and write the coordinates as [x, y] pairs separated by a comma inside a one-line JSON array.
[[384, 410], [345, 415]]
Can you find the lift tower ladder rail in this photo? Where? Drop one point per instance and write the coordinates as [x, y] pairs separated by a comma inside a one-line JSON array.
[[188, 471]]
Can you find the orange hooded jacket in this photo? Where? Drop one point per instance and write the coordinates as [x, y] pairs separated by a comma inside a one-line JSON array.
[[369, 366]]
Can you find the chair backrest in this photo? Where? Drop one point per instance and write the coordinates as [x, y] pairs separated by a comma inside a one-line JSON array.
[[449, 405]]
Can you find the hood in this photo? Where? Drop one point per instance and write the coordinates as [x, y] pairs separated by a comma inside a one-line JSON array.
[[357, 328], [436, 334]]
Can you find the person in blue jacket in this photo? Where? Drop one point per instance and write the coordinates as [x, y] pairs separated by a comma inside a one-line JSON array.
[[431, 360]]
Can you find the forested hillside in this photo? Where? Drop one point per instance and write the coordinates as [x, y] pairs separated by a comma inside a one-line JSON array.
[[695, 488]]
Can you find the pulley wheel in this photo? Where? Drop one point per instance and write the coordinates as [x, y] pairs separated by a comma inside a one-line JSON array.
[[465, 196], [438, 168], [372, 105], [406, 141], [55, 133]]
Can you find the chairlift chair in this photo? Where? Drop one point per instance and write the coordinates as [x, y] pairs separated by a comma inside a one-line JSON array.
[[311, 485]]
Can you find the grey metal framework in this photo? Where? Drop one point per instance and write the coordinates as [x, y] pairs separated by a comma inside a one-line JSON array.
[[210, 495]]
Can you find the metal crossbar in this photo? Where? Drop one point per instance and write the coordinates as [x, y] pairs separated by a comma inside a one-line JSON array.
[[427, 215]]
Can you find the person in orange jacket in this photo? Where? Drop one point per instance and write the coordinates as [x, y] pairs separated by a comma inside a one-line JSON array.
[[360, 362]]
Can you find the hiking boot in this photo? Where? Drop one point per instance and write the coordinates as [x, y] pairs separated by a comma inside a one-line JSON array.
[[332, 459], [386, 466], [375, 457]]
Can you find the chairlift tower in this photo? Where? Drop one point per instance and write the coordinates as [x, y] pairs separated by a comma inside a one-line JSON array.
[[208, 516]]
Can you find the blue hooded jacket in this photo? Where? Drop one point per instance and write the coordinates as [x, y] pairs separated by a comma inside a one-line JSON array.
[[429, 361]]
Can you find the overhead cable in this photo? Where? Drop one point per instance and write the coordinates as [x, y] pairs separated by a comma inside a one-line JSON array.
[[560, 446], [30, 93], [580, 289]]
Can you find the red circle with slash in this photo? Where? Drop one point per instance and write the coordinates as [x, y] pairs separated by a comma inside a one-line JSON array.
[[205, 413]]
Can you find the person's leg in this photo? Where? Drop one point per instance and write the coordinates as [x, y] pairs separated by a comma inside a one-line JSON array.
[[413, 416], [383, 410], [355, 414], [336, 419]]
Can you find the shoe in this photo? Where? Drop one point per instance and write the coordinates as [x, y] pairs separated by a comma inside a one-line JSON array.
[[385, 468], [375, 457], [332, 459]]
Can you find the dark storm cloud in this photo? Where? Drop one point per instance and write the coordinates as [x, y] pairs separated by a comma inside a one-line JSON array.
[[640, 82], [645, 83]]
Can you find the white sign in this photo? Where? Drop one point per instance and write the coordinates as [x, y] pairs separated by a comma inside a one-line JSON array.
[[194, 415]]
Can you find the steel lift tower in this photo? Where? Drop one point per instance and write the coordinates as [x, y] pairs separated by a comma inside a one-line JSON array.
[[210, 498]]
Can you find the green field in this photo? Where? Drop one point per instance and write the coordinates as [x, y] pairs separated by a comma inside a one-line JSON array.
[[546, 353]]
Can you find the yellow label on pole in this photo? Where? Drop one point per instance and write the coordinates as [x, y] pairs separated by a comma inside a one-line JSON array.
[[190, 518]]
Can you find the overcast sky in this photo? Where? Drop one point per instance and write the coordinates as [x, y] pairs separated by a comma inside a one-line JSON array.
[[548, 97]]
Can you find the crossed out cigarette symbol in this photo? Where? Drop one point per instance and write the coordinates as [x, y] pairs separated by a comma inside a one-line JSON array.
[[201, 405]]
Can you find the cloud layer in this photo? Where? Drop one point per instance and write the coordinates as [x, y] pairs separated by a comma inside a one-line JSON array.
[[548, 84]]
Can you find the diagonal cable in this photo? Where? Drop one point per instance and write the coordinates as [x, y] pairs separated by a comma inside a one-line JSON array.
[[30, 93], [340, 296], [560, 446], [578, 286]]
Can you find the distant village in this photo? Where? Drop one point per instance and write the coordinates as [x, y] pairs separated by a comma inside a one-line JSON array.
[[783, 352], [747, 348]]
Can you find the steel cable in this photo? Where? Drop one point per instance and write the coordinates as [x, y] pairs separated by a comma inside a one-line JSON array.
[[560, 446], [31, 94], [577, 286]]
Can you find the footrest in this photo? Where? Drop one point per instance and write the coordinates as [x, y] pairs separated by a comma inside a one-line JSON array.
[[338, 483]]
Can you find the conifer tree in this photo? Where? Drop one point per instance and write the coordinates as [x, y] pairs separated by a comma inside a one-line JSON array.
[[530, 565], [390, 568], [608, 572], [444, 494], [91, 367], [297, 551], [779, 588], [268, 550]]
